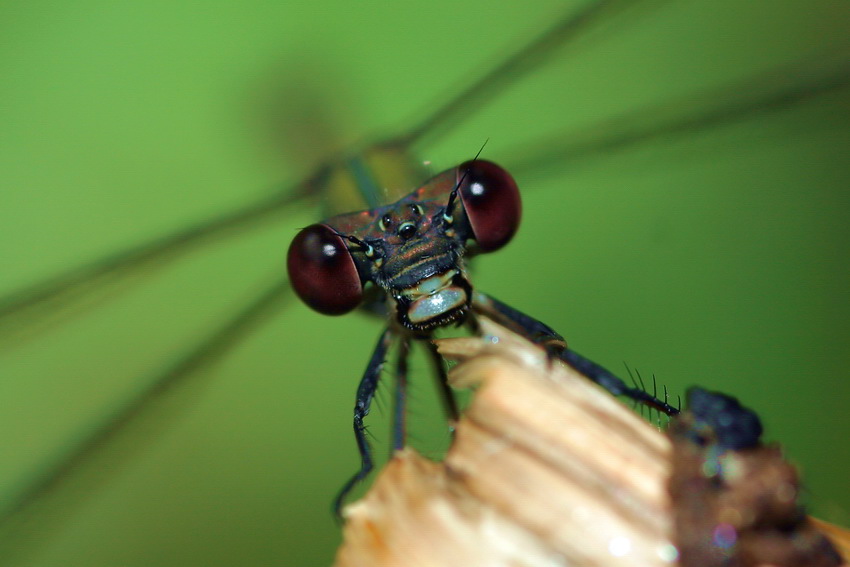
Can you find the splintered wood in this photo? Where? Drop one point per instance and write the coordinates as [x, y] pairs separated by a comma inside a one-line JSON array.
[[546, 469]]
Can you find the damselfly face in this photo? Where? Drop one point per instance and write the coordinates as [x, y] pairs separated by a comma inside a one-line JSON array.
[[703, 246], [412, 250]]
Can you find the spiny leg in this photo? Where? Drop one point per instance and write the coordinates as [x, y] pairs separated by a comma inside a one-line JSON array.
[[613, 384], [556, 346], [400, 409], [447, 395], [365, 393]]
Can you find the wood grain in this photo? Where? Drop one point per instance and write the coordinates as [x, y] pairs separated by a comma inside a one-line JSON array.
[[546, 469]]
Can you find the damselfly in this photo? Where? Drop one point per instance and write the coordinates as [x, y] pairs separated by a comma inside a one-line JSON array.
[[626, 245], [407, 261]]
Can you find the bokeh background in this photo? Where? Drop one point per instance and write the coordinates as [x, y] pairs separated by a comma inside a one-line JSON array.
[[716, 256]]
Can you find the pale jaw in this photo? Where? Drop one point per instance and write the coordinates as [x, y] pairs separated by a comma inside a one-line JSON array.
[[434, 296]]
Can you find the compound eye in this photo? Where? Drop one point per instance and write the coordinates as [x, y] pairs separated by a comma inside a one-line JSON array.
[[323, 272], [492, 203]]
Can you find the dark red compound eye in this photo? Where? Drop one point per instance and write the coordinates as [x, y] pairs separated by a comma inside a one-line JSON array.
[[492, 203], [322, 271]]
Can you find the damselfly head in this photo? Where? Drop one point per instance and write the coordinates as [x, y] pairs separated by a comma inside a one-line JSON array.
[[412, 249]]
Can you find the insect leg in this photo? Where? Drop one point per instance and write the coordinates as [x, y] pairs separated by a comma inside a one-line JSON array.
[[400, 410], [556, 347], [365, 393], [446, 393]]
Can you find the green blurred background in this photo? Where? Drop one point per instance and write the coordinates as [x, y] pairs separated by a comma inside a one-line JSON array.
[[717, 257]]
